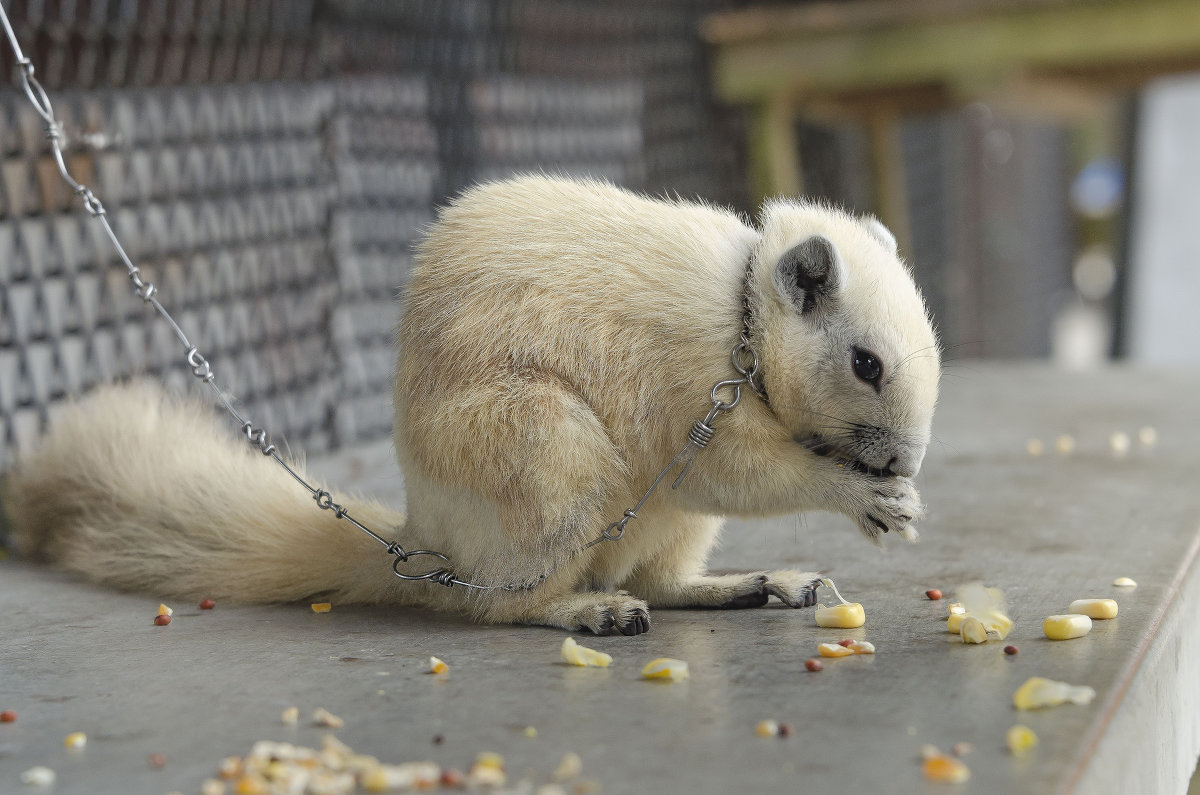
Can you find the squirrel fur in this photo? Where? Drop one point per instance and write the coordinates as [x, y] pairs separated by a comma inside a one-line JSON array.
[[558, 338]]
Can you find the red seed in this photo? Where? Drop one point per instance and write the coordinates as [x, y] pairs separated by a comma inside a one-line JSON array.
[[452, 778], [8, 716], [846, 642], [934, 594], [162, 621], [786, 730], [157, 761], [1011, 649], [813, 665], [207, 604]]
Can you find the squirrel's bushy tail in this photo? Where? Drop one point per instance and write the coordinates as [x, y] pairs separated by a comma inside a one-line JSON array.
[[139, 490]]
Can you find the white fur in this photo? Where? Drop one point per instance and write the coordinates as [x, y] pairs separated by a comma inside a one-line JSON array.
[[559, 337]]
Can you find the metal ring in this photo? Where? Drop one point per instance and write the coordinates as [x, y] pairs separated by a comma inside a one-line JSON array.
[[718, 404], [739, 350], [608, 535], [429, 575]]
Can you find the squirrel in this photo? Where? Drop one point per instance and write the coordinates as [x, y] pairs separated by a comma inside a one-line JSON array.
[[558, 337]]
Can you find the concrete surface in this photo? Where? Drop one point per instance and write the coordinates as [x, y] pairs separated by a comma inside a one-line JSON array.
[[1047, 530]]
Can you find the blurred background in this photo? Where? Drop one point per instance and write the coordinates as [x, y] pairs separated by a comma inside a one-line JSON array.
[[268, 164]]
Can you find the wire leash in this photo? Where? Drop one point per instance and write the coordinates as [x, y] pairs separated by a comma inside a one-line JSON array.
[[743, 358]]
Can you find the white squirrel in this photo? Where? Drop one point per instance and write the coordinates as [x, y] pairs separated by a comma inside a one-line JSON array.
[[558, 339]]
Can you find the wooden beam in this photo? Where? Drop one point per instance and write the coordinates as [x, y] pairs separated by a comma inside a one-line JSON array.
[[774, 150]]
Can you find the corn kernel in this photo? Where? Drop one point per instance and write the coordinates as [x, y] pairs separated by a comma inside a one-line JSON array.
[[1039, 692], [436, 666], [163, 610], [946, 769], [972, 630], [862, 647], [767, 728], [249, 785], [530, 732], [845, 616], [38, 776], [1147, 436], [834, 650], [321, 607], [75, 740], [569, 767], [1065, 627], [956, 609], [929, 751], [997, 623], [575, 654], [1020, 739], [323, 717], [1065, 444], [211, 786], [666, 668], [1035, 447], [1119, 443], [490, 759], [955, 621], [1094, 608], [290, 716], [1124, 582]]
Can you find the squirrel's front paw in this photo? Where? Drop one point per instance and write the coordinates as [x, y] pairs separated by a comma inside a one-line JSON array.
[[893, 505]]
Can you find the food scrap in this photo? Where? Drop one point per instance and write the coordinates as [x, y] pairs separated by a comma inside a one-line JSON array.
[[767, 728], [834, 650], [1039, 692], [1119, 443], [1147, 436], [321, 607], [945, 769], [1011, 650], [163, 610], [1065, 444], [1035, 447], [162, 620], [1124, 582], [575, 654], [207, 604], [667, 669], [933, 594], [38, 776], [290, 716], [846, 615], [979, 615], [1094, 608], [1066, 627], [8, 716], [1020, 739], [323, 717], [436, 666], [813, 665], [488, 771], [75, 740]]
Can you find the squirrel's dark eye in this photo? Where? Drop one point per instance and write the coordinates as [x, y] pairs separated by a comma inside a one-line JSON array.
[[867, 367]]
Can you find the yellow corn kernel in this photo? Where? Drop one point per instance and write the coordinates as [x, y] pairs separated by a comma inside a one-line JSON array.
[[955, 621], [323, 717], [490, 759], [862, 647], [1065, 444], [997, 623], [846, 616], [1039, 692], [436, 666], [956, 609], [1020, 739], [1124, 582], [767, 728], [834, 650], [530, 732], [1035, 447], [249, 785], [666, 668], [1065, 627], [973, 630], [321, 607], [575, 654], [75, 740], [163, 610], [1094, 608], [946, 769], [290, 716]]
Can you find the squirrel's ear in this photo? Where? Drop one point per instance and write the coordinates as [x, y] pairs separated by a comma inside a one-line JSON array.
[[809, 274], [881, 233]]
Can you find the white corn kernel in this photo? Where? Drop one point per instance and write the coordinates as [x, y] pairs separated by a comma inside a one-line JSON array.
[[1035, 447], [290, 716], [862, 647], [666, 668], [1065, 444], [75, 740], [1065, 627], [1094, 608], [1147, 436], [38, 776], [436, 666], [323, 717], [575, 654], [956, 609], [1119, 443], [1124, 582], [972, 630]]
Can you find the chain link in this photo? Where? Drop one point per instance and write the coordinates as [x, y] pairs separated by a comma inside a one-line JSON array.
[[699, 436]]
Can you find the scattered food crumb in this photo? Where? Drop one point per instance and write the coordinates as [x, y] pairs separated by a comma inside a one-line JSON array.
[[212, 786], [1094, 608], [162, 620], [453, 778], [488, 771], [862, 647], [786, 730], [961, 748], [1067, 626], [1147, 436], [833, 650], [582, 656], [1065, 444], [38, 776], [75, 740], [570, 767], [666, 669], [1119, 443], [207, 604], [163, 610], [438, 739], [1010, 650], [972, 630], [8, 716], [1020, 739], [1035, 447], [1039, 692], [946, 769], [1124, 582], [230, 767], [846, 642], [157, 761], [843, 616], [323, 717], [933, 594], [436, 666], [956, 609], [814, 665], [290, 716], [766, 728], [929, 751], [321, 607], [530, 732]]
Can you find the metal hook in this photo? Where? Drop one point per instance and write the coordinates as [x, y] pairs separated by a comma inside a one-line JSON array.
[[437, 575]]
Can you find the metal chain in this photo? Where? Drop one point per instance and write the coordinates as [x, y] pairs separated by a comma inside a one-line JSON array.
[[743, 357]]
